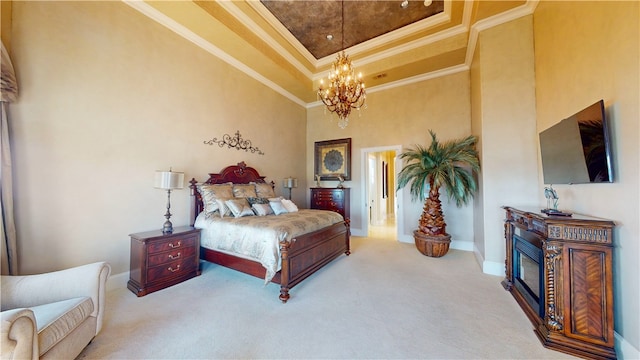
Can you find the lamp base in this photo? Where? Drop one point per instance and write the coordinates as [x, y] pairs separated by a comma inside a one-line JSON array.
[[167, 227]]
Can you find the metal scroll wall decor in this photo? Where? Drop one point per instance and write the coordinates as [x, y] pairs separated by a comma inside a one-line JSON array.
[[236, 142]]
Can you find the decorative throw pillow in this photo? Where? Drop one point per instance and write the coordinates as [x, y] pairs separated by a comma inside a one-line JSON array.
[[277, 207], [239, 207], [223, 208], [257, 200], [211, 192], [244, 190], [264, 190], [289, 205], [262, 209]]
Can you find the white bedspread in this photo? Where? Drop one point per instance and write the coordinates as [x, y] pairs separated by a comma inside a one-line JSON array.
[[257, 237]]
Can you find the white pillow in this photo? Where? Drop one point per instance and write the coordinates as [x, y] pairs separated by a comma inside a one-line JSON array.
[[289, 205], [239, 207], [262, 209], [277, 207]]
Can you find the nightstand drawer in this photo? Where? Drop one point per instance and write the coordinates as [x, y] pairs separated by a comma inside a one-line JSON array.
[[169, 256], [172, 269], [172, 244]]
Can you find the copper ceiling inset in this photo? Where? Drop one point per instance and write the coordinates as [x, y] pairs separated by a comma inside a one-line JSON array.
[[310, 22]]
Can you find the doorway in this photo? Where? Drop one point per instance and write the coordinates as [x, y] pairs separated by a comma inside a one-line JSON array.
[[379, 183]]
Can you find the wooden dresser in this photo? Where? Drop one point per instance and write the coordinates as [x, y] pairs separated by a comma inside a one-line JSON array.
[[161, 260], [567, 293], [334, 199]]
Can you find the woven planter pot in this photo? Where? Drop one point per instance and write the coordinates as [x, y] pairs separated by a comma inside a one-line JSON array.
[[433, 246]]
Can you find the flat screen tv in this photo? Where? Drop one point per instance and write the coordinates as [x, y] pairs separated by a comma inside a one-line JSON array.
[[577, 149]]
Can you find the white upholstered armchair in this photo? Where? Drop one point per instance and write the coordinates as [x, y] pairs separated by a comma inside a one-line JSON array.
[[53, 315]]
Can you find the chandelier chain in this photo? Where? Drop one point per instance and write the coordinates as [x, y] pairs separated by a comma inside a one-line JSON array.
[[344, 91]]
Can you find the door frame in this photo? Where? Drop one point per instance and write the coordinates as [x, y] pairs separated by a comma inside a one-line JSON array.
[[364, 156]]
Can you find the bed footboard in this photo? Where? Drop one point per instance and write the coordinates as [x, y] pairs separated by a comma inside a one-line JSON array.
[[308, 253]]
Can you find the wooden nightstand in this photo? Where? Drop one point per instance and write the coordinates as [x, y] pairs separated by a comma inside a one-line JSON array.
[[161, 260]]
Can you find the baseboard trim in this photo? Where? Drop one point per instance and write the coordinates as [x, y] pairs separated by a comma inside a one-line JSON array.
[[624, 350], [461, 245], [117, 281], [488, 267], [357, 232]]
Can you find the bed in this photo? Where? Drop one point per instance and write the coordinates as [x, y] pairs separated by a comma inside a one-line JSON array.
[[312, 238]]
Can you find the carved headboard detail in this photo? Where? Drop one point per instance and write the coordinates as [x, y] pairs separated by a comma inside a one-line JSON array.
[[237, 174]]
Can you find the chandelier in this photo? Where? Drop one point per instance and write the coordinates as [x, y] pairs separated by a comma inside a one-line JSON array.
[[344, 91]]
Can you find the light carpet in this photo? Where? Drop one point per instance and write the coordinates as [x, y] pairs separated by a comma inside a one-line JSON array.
[[384, 301]]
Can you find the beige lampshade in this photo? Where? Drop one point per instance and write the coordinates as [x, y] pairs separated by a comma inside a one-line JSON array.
[[290, 182], [169, 180]]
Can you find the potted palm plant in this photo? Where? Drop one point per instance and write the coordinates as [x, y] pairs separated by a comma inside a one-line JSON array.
[[450, 165]]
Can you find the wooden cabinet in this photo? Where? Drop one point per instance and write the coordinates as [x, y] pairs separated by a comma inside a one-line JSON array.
[[334, 199], [571, 302], [161, 260]]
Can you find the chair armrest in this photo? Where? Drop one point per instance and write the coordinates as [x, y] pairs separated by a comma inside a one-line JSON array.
[[32, 290], [19, 338]]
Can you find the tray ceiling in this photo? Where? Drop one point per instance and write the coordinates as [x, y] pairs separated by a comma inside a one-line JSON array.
[[283, 43]]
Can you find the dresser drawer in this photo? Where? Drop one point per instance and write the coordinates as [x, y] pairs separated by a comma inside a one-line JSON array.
[[175, 268], [328, 195], [333, 199], [172, 244], [169, 256]]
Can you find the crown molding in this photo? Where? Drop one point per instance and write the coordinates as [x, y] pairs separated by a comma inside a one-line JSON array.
[[256, 29], [527, 9], [282, 30], [397, 34], [407, 81], [179, 29], [474, 30]]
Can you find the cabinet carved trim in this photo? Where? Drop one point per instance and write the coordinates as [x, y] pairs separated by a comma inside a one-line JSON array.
[[560, 271], [553, 258]]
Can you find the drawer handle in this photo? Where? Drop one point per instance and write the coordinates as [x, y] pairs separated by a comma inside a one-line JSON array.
[[174, 257], [175, 246], [174, 270]]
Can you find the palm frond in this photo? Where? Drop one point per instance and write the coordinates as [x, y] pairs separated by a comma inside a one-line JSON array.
[[449, 164]]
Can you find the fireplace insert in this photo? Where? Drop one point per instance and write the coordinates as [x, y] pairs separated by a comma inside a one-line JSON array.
[[528, 269]]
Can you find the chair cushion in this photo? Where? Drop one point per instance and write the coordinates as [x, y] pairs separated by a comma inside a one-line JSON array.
[[56, 320]]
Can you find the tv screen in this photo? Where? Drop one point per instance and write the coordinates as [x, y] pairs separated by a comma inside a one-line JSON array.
[[577, 149]]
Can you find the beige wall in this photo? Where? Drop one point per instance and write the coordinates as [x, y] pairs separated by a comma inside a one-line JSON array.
[[585, 52], [504, 117], [401, 116], [107, 97]]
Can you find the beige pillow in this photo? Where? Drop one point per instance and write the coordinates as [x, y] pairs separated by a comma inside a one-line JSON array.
[[212, 192], [239, 207], [264, 190], [223, 208], [244, 190], [262, 209]]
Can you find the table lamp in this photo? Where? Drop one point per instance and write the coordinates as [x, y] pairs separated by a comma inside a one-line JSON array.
[[168, 180], [290, 183]]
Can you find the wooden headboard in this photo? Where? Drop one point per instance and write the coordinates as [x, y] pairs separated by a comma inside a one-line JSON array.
[[237, 174]]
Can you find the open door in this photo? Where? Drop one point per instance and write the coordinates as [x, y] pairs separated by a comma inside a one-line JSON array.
[[379, 184]]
